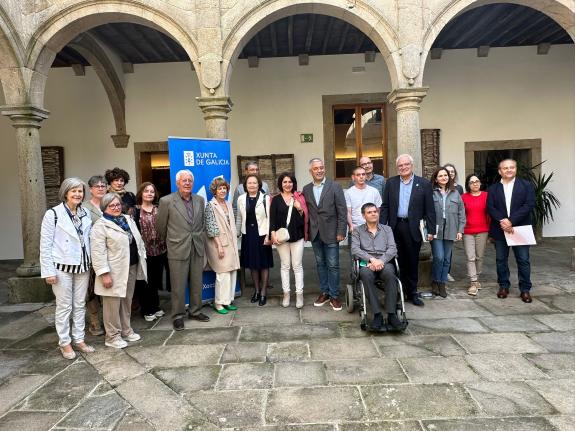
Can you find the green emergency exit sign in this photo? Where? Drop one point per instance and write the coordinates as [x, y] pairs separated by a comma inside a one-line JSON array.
[[306, 137]]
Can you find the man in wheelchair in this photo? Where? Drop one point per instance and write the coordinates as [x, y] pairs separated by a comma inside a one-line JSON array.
[[373, 245]]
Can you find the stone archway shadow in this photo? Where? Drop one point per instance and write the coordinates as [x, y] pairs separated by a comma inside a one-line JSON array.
[[561, 11], [364, 17]]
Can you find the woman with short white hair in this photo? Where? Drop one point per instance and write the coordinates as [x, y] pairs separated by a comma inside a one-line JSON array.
[[65, 263]]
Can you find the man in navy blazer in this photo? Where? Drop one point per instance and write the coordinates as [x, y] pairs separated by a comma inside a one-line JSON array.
[[408, 199], [510, 203]]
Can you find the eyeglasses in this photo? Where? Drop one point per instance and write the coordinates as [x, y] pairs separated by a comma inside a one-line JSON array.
[[113, 206], [100, 186]]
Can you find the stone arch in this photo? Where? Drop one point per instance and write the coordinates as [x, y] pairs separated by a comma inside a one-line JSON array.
[[363, 16], [11, 61], [562, 11], [54, 34]]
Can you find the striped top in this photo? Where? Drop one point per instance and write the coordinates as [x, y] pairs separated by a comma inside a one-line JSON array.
[[85, 260]]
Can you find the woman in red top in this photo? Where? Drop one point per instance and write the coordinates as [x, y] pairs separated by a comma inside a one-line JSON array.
[[476, 229]]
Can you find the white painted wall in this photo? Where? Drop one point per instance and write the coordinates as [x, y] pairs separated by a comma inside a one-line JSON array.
[[511, 94]]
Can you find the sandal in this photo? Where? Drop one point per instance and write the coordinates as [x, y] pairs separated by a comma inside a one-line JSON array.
[[85, 348], [67, 355]]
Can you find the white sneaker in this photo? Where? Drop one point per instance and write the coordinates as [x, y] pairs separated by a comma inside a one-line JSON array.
[[133, 337], [299, 300], [286, 299], [160, 313], [150, 317], [450, 278], [116, 344]]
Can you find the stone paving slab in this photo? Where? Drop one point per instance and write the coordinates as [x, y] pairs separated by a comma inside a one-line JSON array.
[[64, 391], [266, 315], [564, 303], [244, 352], [29, 421], [364, 372], [216, 321], [13, 360], [205, 336], [133, 421], [246, 376], [425, 345], [446, 309], [555, 365], [151, 338], [310, 405], [230, 408], [177, 356], [418, 402], [45, 339], [342, 348], [189, 379], [300, 374], [23, 327], [171, 414], [17, 388], [502, 367], [514, 323], [289, 351], [506, 424], [49, 362], [116, 366], [445, 326], [513, 305], [26, 307], [96, 412], [558, 322], [438, 370], [273, 333], [509, 399], [563, 423], [498, 343], [325, 313], [556, 342], [559, 392], [381, 426]]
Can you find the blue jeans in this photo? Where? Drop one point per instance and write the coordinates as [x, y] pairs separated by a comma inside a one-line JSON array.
[[327, 261], [441, 249], [523, 266]]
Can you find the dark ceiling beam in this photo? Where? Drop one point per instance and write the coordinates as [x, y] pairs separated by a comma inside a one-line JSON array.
[[112, 44], [487, 38], [327, 35], [477, 27], [258, 45], [123, 35], [360, 39], [274, 39], [148, 41], [290, 35], [309, 35], [549, 33], [343, 38], [69, 56], [525, 29], [166, 45]]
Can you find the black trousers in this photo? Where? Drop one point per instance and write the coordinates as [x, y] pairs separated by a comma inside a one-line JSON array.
[[387, 275], [408, 258], [149, 298]]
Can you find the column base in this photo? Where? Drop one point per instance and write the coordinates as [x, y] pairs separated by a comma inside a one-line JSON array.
[[28, 270], [28, 289]]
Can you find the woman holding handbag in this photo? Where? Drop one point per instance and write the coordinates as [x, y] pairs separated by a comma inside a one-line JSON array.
[[288, 220]]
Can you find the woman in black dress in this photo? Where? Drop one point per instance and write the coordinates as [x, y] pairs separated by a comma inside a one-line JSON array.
[[253, 223]]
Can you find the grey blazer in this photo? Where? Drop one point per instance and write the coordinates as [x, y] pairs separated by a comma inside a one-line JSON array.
[[175, 227], [454, 214], [329, 218]]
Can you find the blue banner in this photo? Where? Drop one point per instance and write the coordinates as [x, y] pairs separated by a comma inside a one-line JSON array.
[[207, 159]]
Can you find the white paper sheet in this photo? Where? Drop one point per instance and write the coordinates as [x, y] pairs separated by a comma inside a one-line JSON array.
[[522, 235]]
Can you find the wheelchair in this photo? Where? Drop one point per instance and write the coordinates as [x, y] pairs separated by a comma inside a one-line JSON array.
[[355, 297]]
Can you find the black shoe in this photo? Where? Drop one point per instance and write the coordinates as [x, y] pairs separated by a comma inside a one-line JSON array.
[[201, 317], [263, 300], [178, 324], [255, 297], [377, 324], [417, 301], [394, 322]]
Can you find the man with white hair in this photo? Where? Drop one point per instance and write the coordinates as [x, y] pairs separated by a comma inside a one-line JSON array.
[[180, 222]]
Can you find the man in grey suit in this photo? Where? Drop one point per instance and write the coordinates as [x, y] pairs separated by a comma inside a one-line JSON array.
[[327, 226], [180, 222]]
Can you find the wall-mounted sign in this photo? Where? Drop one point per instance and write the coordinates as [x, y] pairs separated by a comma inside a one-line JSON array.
[[305, 138]]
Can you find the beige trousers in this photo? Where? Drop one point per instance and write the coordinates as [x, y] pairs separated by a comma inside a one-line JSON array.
[[116, 311], [291, 256], [225, 287], [474, 245]]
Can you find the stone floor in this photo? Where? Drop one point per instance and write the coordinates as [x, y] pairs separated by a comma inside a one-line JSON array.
[[463, 364]]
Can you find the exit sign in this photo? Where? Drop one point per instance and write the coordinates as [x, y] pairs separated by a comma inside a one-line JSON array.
[[306, 137]]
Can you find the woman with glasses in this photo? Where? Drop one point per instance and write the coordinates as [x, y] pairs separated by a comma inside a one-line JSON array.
[[65, 263], [119, 258], [476, 230]]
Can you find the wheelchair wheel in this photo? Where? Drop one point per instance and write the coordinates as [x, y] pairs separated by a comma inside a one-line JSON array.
[[349, 301]]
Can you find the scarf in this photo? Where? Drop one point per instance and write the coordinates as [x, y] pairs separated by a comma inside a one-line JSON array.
[[120, 221]]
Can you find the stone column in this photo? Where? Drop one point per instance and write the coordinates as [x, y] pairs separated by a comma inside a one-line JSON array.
[[407, 102], [215, 111], [27, 121]]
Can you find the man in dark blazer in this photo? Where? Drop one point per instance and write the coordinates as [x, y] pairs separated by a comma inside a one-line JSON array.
[[510, 203], [327, 226], [407, 199], [180, 222]]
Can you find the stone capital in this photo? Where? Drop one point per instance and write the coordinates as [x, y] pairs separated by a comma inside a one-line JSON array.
[[215, 107], [407, 99], [25, 115], [120, 141]]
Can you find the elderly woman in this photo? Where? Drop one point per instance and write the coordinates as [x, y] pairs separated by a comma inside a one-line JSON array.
[[253, 223], [145, 215], [97, 185], [119, 257], [222, 248], [289, 210], [117, 179], [65, 263]]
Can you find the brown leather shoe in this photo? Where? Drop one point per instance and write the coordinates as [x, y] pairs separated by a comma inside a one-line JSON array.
[[502, 293], [335, 304], [321, 299], [526, 297]]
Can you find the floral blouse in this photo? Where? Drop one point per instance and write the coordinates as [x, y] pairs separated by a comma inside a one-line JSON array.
[[154, 244]]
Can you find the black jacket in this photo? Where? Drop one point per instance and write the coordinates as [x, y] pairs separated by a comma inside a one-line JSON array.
[[522, 204]]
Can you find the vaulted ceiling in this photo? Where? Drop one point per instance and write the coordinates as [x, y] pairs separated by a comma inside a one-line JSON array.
[[496, 25]]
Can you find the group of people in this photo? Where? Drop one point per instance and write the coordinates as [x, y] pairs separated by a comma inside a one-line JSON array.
[[93, 252]]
